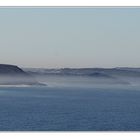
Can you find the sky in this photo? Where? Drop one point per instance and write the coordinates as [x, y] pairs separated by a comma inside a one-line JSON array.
[[70, 37]]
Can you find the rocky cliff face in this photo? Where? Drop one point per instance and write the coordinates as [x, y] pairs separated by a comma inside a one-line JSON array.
[[10, 70], [13, 75]]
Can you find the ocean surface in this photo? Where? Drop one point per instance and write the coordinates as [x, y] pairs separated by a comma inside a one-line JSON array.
[[70, 104]]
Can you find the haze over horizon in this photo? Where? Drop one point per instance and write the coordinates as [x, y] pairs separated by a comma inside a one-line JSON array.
[[70, 37]]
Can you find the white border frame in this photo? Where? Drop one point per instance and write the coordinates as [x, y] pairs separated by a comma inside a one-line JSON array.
[[69, 3]]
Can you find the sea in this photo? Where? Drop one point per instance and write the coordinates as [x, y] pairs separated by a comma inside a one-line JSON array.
[[70, 104]]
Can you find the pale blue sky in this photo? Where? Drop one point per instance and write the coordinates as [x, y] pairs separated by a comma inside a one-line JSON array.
[[70, 37]]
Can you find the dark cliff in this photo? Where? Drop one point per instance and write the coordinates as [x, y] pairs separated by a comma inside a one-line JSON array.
[[13, 75]]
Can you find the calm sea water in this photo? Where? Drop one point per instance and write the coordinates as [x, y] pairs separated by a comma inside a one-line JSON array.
[[70, 108]]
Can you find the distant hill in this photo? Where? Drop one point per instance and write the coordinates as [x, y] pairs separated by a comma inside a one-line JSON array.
[[11, 70], [13, 75], [121, 75], [94, 72]]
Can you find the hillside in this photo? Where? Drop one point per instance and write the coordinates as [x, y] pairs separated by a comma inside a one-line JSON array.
[[94, 72], [13, 75], [100, 75]]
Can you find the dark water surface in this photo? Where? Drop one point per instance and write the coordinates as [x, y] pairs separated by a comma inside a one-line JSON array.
[[69, 109]]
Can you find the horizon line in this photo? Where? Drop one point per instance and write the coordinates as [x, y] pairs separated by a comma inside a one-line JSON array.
[[70, 67], [81, 67]]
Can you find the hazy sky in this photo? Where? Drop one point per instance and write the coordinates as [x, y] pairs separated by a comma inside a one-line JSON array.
[[70, 37]]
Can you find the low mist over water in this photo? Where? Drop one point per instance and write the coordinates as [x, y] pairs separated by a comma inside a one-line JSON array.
[[87, 76]]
